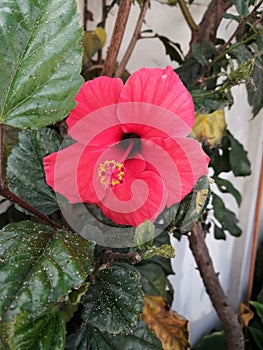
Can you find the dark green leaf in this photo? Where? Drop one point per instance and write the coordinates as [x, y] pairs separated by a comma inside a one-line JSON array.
[[226, 217], [238, 159], [241, 53], [259, 309], [144, 234], [114, 302], [154, 280], [208, 101], [25, 169], [189, 71], [40, 61], [215, 341], [172, 49], [90, 338], [219, 232], [198, 202], [39, 265], [41, 330], [257, 335], [11, 215], [242, 7], [140, 339], [254, 89], [231, 16], [202, 51], [226, 186]]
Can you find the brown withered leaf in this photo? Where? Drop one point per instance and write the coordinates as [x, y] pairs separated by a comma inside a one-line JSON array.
[[166, 324], [245, 315]]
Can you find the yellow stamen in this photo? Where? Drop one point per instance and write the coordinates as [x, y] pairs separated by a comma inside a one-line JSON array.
[[111, 173]]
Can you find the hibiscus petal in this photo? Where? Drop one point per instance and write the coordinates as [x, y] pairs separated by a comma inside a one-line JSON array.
[[93, 95], [160, 87], [70, 173], [99, 128], [147, 120], [136, 200], [180, 163]]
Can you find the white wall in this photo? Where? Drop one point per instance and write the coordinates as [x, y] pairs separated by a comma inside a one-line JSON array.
[[231, 257]]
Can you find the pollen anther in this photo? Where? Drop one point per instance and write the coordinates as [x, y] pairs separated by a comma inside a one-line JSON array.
[[111, 173]]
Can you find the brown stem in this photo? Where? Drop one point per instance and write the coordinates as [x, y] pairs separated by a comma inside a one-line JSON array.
[[85, 14], [117, 36], [134, 39], [206, 30], [5, 192], [233, 331], [1, 156], [255, 235]]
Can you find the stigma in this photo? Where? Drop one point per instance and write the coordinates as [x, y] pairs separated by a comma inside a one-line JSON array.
[[111, 173]]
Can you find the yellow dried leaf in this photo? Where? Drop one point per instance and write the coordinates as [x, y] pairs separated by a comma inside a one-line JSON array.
[[210, 128], [166, 324], [245, 315], [200, 199], [93, 41], [101, 34]]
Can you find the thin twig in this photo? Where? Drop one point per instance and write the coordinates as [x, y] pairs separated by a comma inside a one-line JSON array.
[[134, 39], [85, 14], [187, 15], [5, 192], [117, 36], [255, 235], [207, 29], [239, 27], [1, 156], [233, 331]]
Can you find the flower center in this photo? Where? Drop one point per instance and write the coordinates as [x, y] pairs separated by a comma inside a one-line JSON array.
[[111, 173], [132, 142]]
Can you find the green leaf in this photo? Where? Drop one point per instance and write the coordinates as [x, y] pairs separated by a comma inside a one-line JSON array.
[[230, 156], [197, 203], [226, 186], [189, 71], [25, 168], [208, 101], [254, 90], [144, 234], [257, 336], [114, 302], [242, 7], [226, 217], [39, 265], [154, 280], [40, 330], [201, 52], [215, 341], [259, 309], [165, 250], [232, 17], [40, 55], [172, 49], [140, 339], [238, 159], [219, 232], [90, 338]]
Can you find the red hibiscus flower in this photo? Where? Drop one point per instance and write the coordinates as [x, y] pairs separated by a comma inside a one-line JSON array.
[[132, 157]]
